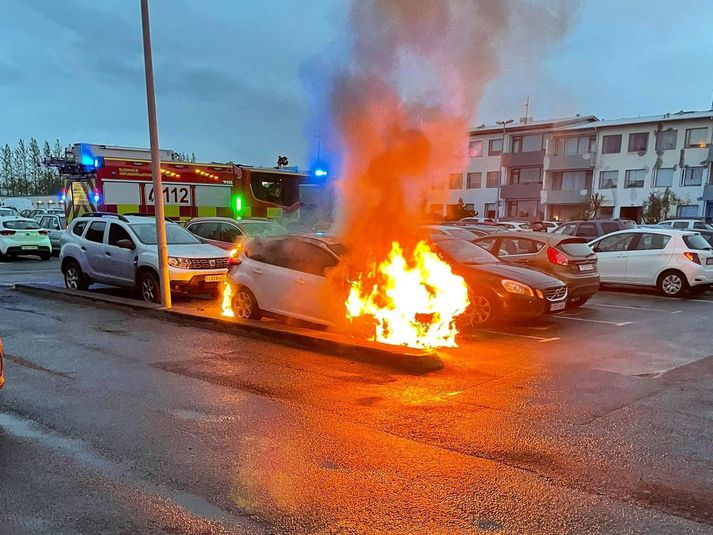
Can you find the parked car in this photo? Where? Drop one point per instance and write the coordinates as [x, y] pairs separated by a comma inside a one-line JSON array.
[[55, 225], [474, 220], [8, 212], [2, 369], [594, 228], [544, 226], [567, 258], [224, 232], [517, 226], [707, 235], [121, 251], [449, 230], [685, 224], [23, 236], [482, 230], [34, 214], [674, 261], [284, 276]]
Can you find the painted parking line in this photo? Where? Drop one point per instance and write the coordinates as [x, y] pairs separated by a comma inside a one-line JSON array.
[[615, 323], [531, 337], [597, 305]]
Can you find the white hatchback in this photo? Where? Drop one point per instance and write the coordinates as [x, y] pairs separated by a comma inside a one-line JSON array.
[[23, 236], [673, 261]]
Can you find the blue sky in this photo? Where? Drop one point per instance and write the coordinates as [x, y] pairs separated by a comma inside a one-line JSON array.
[[245, 81]]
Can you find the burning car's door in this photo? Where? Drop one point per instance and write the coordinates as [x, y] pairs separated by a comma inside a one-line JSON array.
[[268, 276]]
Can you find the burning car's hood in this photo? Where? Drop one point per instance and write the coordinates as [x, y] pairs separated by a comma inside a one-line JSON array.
[[531, 277]]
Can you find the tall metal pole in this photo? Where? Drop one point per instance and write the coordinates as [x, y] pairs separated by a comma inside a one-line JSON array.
[[164, 281], [500, 181]]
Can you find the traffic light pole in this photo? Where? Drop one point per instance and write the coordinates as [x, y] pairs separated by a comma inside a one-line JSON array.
[[164, 282]]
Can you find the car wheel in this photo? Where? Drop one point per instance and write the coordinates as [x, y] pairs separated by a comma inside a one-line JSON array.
[[74, 278], [672, 284], [577, 302], [245, 305], [483, 310], [149, 287]]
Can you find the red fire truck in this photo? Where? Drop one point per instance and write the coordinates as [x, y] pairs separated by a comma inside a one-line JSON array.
[[122, 184]]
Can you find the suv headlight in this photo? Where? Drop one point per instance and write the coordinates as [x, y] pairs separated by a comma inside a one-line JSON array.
[[515, 287], [178, 262]]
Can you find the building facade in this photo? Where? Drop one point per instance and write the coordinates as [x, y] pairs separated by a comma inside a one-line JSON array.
[[551, 169]]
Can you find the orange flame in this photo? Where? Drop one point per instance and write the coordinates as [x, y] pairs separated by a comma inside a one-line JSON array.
[[410, 305], [226, 305]]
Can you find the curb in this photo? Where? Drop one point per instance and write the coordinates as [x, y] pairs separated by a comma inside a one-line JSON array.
[[402, 359]]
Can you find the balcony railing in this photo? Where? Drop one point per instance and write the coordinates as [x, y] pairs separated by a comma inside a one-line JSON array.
[[571, 162], [529, 190], [565, 196], [523, 159]]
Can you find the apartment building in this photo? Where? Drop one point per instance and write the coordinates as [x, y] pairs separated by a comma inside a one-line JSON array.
[[548, 169]]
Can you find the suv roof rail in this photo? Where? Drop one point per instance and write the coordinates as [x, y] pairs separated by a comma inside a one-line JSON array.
[[105, 214], [137, 214]]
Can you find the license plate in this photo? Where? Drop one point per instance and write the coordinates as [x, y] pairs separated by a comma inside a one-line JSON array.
[[558, 306], [214, 278], [709, 261], [29, 247], [586, 267]]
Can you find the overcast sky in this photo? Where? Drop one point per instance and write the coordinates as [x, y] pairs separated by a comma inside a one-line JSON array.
[[239, 80]]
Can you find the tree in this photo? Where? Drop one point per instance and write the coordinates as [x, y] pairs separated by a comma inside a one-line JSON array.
[[659, 205], [48, 173], [589, 209], [22, 184], [459, 211], [7, 178], [193, 157], [34, 171]]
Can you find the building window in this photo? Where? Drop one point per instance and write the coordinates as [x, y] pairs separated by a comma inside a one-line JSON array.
[[663, 177], [692, 176], [455, 181], [495, 147], [475, 148], [531, 143], [666, 139], [608, 179], [492, 179], [696, 137], [687, 210], [473, 180], [570, 181], [489, 210], [522, 209], [611, 144], [638, 142], [525, 175], [634, 178], [575, 145], [470, 206]]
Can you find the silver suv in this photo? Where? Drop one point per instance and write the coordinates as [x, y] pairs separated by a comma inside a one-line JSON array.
[[121, 251]]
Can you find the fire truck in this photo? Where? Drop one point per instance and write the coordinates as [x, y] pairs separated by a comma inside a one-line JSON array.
[[100, 178]]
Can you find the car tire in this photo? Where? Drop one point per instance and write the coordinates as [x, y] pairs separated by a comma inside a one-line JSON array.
[[577, 302], [74, 277], [483, 310], [149, 286], [672, 283], [245, 305]]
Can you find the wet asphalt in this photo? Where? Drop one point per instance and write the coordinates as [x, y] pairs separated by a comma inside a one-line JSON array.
[[598, 421]]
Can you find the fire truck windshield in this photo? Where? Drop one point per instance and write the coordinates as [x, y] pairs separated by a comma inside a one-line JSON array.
[[276, 188], [175, 235]]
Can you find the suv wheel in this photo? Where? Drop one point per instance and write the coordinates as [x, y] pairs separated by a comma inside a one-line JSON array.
[[672, 284], [149, 287], [74, 278]]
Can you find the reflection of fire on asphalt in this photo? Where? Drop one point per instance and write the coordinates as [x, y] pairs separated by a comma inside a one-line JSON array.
[[412, 302]]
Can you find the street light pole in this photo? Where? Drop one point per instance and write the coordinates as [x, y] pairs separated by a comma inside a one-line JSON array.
[[164, 281], [500, 181]]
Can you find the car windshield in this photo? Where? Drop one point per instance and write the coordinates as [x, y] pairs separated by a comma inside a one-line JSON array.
[[696, 242], [465, 252], [262, 228], [21, 224], [175, 235]]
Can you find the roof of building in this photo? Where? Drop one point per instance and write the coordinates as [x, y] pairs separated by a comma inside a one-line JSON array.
[[678, 116], [530, 124]]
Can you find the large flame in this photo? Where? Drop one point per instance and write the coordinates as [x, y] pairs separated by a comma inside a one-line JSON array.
[[411, 303], [227, 302]]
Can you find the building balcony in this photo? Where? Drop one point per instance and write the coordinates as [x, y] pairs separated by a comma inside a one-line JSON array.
[[565, 196], [708, 192], [514, 192], [523, 159], [571, 162]]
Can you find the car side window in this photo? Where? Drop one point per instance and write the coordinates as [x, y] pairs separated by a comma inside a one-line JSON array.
[[587, 230], [310, 258], [518, 246], [228, 233], [665, 224], [196, 228], [78, 229], [95, 232], [608, 228], [54, 223], [680, 225], [486, 244], [699, 225], [116, 233], [568, 229], [650, 242], [615, 243]]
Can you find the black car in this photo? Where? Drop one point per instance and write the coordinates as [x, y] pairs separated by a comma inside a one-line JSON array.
[[499, 290]]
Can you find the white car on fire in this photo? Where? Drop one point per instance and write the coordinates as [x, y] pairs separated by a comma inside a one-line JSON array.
[[122, 251], [23, 236]]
